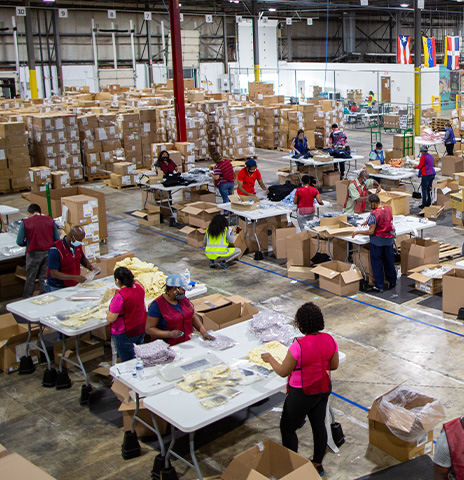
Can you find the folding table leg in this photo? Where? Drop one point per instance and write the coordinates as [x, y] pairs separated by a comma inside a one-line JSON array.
[[192, 454], [259, 254], [62, 379], [131, 447], [26, 365], [87, 388], [49, 376]]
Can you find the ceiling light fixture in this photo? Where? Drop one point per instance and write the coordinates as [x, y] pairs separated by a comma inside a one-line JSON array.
[[404, 5], [272, 9]]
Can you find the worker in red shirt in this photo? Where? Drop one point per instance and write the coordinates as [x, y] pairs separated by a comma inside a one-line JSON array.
[[247, 177], [37, 232], [223, 176]]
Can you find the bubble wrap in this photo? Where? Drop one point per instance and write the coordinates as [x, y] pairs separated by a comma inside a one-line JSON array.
[[154, 353], [220, 342]]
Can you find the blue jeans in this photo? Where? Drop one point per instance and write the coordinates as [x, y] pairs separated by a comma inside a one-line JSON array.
[[50, 288], [226, 189], [125, 345], [426, 186], [383, 265]]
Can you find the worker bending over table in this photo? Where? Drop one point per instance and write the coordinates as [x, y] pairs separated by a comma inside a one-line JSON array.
[[300, 144], [304, 200], [247, 177], [382, 237], [449, 451], [218, 238], [307, 365], [172, 317], [127, 314], [37, 233], [357, 193], [65, 259]]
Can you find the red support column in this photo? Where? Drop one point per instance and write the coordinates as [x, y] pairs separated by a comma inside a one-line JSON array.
[[178, 71]]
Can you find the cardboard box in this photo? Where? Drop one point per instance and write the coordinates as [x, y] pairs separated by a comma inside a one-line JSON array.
[[244, 202], [200, 214], [341, 189], [330, 179], [451, 165], [299, 249], [3, 451], [416, 252], [81, 209], [269, 460], [147, 218], [118, 180], [398, 201], [200, 195], [10, 286], [338, 277], [13, 339], [195, 236], [124, 168], [228, 315], [424, 283], [128, 409], [107, 263], [404, 419], [457, 201], [460, 178], [456, 218], [60, 179], [300, 273], [453, 284], [332, 226], [13, 466], [432, 212], [261, 233], [279, 240], [443, 191], [240, 242]]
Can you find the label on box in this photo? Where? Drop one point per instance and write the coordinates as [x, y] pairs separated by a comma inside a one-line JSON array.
[[87, 210], [59, 124], [64, 179], [31, 174], [458, 214], [428, 448], [94, 218], [49, 150], [2, 155], [126, 180], [146, 127]]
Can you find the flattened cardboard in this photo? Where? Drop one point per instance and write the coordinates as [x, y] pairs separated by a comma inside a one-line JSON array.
[[15, 466], [432, 212]]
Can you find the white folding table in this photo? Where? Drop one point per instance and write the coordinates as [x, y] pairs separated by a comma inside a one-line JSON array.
[[8, 247], [6, 210]]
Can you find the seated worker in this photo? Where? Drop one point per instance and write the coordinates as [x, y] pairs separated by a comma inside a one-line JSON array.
[[127, 314], [165, 163], [223, 176], [382, 233], [247, 177], [304, 200], [449, 451], [218, 237], [338, 138], [300, 143], [172, 317], [354, 108], [65, 259], [378, 153], [357, 193]]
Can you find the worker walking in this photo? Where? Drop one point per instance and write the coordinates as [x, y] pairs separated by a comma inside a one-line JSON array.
[[382, 233], [357, 193], [65, 259], [223, 176], [378, 154], [37, 233]]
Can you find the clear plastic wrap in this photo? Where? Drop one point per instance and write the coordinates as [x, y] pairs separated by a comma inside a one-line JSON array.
[[220, 342], [409, 414], [154, 353], [269, 326]]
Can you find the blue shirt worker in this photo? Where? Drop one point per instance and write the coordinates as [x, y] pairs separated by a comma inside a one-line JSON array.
[[450, 139], [378, 154], [300, 143]]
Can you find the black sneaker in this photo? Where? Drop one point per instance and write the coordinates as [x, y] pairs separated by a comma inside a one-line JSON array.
[[378, 290], [320, 470], [223, 265], [391, 286], [212, 264]]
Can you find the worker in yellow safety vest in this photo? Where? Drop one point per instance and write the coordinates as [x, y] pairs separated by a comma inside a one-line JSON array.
[[371, 98], [218, 238]]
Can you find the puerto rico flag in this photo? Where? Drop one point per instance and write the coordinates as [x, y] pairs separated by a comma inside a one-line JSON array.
[[430, 54], [452, 48], [404, 49]]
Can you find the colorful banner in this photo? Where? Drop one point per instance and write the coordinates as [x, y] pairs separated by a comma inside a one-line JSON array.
[[404, 49], [430, 54], [452, 46]]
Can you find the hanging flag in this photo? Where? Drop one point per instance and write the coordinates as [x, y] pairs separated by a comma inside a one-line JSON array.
[[452, 53], [430, 54], [404, 49]]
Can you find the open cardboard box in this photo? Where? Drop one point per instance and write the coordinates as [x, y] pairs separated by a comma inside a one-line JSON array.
[[374, 166], [338, 277], [398, 201], [332, 226], [244, 202], [432, 212], [431, 285], [416, 252], [200, 214], [107, 263], [404, 419], [453, 286], [195, 236], [442, 190], [457, 201], [269, 460]]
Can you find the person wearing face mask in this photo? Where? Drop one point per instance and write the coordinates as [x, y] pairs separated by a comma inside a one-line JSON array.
[[378, 154], [165, 164], [65, 258], [127, 314], [300, 143], [357, 193], [247, 177], [171, 316]]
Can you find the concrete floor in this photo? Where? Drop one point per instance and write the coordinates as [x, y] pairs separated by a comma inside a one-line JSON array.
[[385, 344]]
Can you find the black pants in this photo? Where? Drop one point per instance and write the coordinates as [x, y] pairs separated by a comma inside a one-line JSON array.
[[449, 148], [296, 407]]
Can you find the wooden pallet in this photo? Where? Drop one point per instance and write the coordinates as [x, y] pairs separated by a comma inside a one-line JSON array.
[[81, 180], [119, 187], [97, 177], [449, 251]]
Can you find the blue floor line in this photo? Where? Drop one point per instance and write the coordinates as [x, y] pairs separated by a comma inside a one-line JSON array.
[[347, 400]]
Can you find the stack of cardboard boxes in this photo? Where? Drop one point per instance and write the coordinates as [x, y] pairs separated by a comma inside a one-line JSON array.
[[355, 95], [129, 124], [267, 127], [236, 139], [40, 177], [148, 135], [14, 157], [257, 91], [402, 145], [124, 174]]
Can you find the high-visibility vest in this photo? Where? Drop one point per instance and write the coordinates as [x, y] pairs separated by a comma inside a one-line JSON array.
[[217, 246]]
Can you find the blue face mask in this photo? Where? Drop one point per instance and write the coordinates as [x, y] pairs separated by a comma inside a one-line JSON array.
[[76, 243]]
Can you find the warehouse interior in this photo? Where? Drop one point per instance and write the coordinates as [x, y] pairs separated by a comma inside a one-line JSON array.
[[92, 95]]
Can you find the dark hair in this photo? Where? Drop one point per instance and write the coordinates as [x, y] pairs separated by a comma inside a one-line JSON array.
[[373, 198], [216, 157], [300, 131], [161, 154], [309, 318], [448, 124], [34, 208], [217, 226], [371, 92], [305, 179], [378, 145], [125, 276], [334, 125]]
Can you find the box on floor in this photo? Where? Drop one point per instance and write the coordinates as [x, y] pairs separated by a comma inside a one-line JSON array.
[[420, 411], [456, 217], [451, 165], [148, 217], [432, 212], [10, 286], [15, 466], [200, 214], [443, 191], [195, 236], [418, 251], [338, 277], [269, 460], [13, 340], [261, 233], [453, 285], [423, 283], [279, 240]]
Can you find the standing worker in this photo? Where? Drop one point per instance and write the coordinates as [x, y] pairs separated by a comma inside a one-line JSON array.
[[37, 233], [223, 176], [304, 200], [450, 139], [427, 174], [382, 233], [218, 238], [357, 193], [338, 139], [127, 314], [449, 454], [371, 98], [378, 154], [65, 259], [307, 365], [300, 143], [247, 177]]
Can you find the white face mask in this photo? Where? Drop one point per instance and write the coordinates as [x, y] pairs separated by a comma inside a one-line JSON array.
[[76, 243]]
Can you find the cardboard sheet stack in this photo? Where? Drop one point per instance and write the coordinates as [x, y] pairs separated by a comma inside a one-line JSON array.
[[14, 157], [100, 143], [54, 143]]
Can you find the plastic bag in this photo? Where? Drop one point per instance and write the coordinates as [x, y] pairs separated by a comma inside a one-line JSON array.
[[220, 342], [409, 414], [154, 353], [269, 326]]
